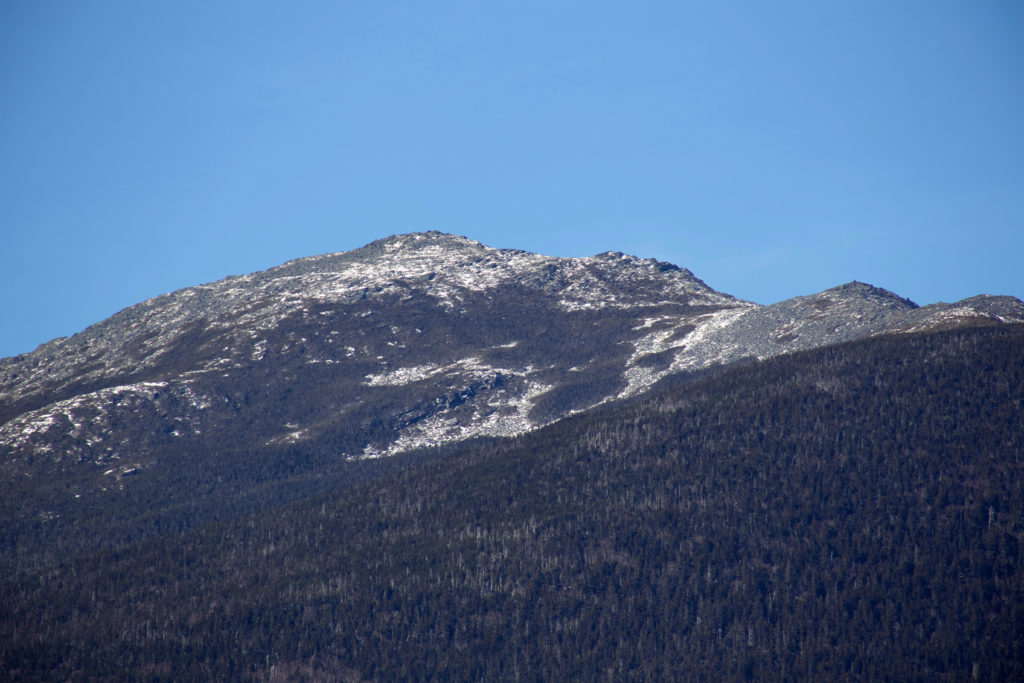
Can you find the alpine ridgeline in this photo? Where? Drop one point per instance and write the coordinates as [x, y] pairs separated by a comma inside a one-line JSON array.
[[410, 341]]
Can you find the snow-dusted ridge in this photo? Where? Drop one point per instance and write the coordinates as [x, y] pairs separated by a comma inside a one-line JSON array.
[[419, 340], [444, 267]]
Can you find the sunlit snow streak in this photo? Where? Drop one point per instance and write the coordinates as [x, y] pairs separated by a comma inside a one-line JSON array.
[[441, 428], [700, 350], [403, 376], [639, 378]]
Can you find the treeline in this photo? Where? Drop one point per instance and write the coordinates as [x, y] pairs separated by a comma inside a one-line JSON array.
[[854, 512]]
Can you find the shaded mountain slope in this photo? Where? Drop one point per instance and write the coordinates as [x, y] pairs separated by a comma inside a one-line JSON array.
[[853, 512]]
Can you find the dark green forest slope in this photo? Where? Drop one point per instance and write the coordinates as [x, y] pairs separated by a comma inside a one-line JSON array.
[[854, 512]]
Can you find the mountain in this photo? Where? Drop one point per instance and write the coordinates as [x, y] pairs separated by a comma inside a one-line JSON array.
[[411, 341], [596, 468]]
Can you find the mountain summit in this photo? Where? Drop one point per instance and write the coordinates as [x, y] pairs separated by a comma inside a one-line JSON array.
[[413, 340]]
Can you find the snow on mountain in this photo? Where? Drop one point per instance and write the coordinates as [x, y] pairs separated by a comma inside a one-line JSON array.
[[443, 267], [413, 340]]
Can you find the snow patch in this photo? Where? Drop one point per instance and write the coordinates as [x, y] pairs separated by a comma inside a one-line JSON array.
[[403, 376], [510, 420]]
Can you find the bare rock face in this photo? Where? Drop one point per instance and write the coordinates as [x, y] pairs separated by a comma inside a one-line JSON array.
[[414, 340]]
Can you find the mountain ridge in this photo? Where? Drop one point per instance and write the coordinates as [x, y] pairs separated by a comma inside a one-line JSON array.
[[447, 337]]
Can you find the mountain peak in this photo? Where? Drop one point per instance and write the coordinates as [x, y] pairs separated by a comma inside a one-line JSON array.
[[442, 272], [418, 240], [418, 339], [862, 290]]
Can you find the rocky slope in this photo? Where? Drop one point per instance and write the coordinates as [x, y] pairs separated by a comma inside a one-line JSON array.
[[411, 341]]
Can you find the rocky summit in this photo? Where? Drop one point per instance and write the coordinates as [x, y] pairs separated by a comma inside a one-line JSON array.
[[411, 341]]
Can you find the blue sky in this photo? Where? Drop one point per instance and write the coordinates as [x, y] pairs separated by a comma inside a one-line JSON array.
[[775, 149]]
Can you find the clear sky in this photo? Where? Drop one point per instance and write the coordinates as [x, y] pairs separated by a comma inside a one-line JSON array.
[[774, 148]]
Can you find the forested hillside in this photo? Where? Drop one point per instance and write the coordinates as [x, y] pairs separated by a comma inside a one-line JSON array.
[[851, 512]]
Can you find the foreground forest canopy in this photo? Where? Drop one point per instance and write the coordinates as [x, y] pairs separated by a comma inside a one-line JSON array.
[[852, 512]]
